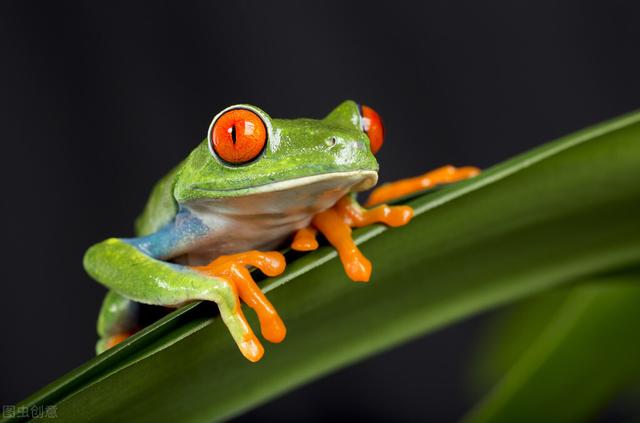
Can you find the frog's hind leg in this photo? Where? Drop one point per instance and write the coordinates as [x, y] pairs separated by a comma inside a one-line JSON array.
[[442, 175], [118, 319]]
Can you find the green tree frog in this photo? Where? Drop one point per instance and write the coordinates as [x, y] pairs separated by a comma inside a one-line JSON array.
[[251, 185]]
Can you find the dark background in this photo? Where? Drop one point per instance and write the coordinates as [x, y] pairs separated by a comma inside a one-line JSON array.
[[97, 102]]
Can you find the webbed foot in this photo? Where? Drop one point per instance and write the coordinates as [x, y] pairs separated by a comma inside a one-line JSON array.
[[232, 269], [336, 223]]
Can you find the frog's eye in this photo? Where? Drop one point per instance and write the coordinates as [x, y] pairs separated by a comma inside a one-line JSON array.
[[238, 136], [372, 126]]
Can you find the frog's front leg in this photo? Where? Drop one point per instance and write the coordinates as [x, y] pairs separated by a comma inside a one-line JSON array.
[[233, 268], [135, 269], [336, 223], [443, 175]]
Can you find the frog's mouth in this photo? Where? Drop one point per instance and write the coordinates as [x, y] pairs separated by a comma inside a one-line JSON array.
[[359, 180], [350, 181]]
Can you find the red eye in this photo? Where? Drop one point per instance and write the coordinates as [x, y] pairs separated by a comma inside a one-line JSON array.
[[372, 126], [238, 136]]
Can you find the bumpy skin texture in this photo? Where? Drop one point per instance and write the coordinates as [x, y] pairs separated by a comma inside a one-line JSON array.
[[296, 148], [195, 210]]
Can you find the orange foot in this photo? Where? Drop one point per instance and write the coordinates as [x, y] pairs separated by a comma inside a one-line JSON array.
[[233, 269], [336, 223]]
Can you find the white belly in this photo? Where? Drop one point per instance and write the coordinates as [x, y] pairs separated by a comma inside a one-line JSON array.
[[264, 220]]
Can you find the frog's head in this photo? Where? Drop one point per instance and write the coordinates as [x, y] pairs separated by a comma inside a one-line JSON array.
[[247, 152]]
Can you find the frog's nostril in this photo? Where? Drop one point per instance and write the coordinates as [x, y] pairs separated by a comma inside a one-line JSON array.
[[331, 141]]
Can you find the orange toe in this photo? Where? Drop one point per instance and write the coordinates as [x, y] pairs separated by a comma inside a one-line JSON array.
[[251, 348]]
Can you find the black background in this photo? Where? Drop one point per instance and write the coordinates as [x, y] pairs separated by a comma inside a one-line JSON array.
[[98, 101]]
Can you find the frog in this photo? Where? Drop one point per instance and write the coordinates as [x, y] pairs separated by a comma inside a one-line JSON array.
[[254, 184]]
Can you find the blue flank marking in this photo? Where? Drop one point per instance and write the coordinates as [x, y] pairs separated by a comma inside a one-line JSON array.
[[182, 231]]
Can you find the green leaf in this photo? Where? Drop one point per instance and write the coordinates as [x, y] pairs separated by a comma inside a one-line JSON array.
[[551, 216], [588, 353]]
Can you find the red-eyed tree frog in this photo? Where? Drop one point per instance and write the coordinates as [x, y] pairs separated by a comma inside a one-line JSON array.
[[251, 185]]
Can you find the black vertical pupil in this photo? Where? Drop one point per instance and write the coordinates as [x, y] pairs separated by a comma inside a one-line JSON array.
[[233, 134]]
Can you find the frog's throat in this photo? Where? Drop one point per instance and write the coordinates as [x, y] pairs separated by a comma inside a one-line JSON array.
[[362, 180], [262, 217]]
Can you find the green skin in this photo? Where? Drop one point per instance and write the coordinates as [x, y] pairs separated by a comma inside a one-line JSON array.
[[205, 208]]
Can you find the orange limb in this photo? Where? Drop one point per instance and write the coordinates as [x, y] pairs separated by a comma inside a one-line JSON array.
[[336, 223], [232, 268], [442, 175], [338, 233], [305, 239]]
